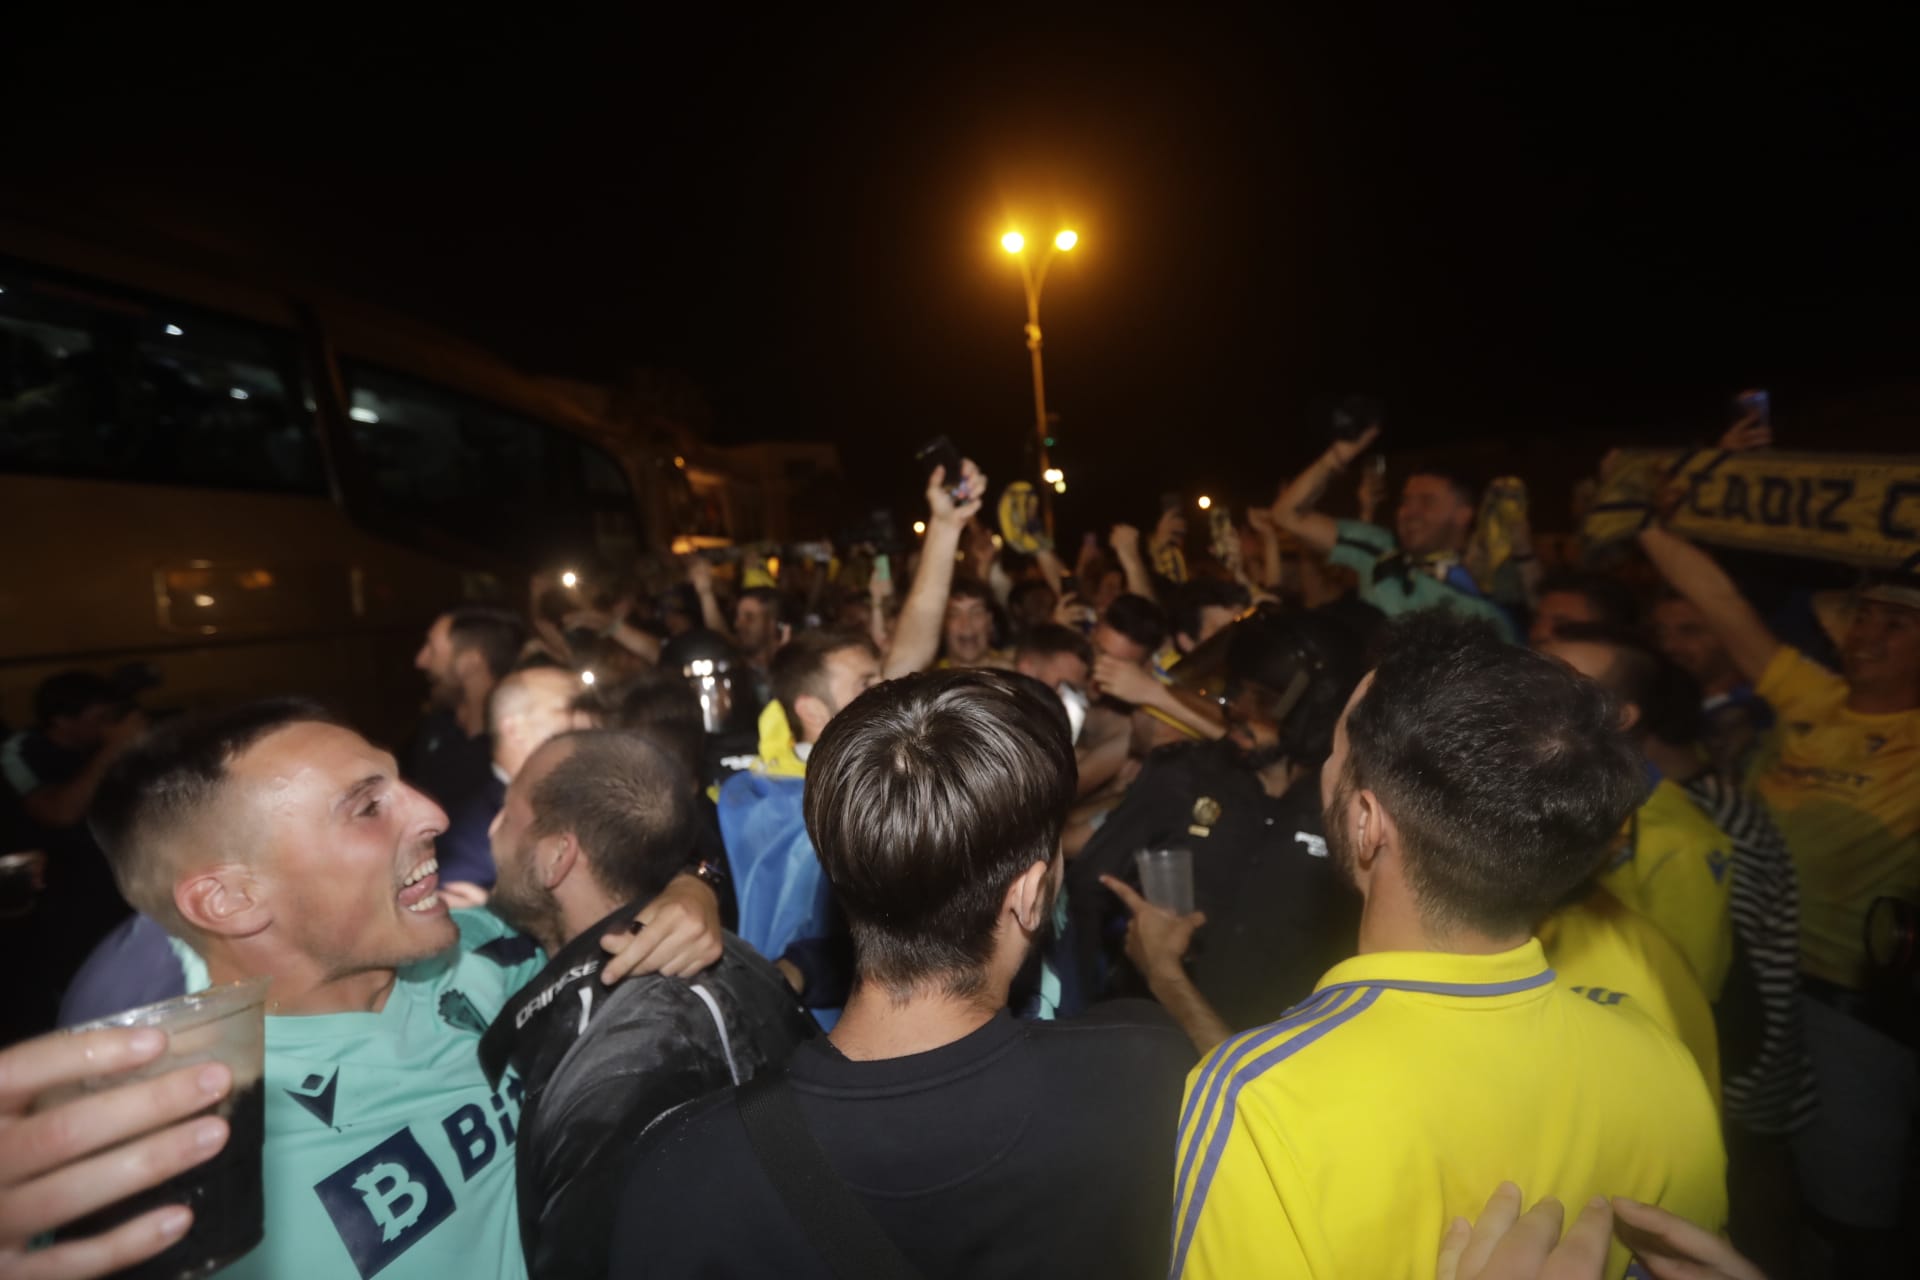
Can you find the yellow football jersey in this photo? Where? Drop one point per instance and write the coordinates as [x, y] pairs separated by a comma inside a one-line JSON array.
[[1607, 952], [1844, 789], [1676, 869], [1341, 1140]]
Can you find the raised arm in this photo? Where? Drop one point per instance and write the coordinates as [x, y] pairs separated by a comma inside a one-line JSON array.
[[1294, 510], [1051, 569], [1125, 540], [1695, 575], [1261, 521], [1132, 683], [916, 638], [700, 577]]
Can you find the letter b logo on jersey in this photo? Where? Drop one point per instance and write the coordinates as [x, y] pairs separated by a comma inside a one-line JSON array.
[[385, 1202]]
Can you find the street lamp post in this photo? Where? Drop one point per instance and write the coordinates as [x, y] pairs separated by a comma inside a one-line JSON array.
[[1035, 279]]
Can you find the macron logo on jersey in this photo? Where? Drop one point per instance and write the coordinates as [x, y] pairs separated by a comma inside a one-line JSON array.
[[1316, 846], [316, 1094]]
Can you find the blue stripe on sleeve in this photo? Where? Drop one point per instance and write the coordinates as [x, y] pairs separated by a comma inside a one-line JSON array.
[[1221, 1065], [1252, 1070]]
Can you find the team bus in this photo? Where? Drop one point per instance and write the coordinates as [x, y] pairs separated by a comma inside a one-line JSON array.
[[242, 489]]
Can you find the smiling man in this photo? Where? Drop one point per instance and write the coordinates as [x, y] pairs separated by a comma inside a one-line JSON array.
[[1419, 564], [272, 841], [1843, 785]]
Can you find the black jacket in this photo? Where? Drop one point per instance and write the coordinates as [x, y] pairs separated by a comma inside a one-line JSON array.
[[600, 1064], [1279, 913]]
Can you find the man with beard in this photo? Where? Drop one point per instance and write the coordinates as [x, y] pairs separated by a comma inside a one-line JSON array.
[[595, 824], [1470, 785], [1277, 913], [271, 841], [526, 709], [468, 652], [1419, 564], [931, 1132]]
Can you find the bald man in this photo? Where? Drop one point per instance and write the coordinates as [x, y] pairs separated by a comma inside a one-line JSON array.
[[526, 709]]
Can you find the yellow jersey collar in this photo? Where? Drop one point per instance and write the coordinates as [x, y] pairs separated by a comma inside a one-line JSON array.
[[1445, 973], [778, 759]]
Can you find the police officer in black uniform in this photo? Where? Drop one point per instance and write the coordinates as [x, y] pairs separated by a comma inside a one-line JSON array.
[[1279, 914]]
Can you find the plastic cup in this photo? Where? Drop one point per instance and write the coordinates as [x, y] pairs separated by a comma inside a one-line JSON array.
[[1166, 877], [222, 1024]]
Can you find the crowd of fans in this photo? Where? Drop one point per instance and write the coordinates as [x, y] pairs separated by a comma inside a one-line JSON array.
[[772, 921]]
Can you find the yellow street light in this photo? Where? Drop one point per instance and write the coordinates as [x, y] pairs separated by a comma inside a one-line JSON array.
[[1033, 274], [919, 526], [1205, 502]]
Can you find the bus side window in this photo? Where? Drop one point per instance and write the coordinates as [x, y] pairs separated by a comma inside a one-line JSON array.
[[475, 471], [100, 384]]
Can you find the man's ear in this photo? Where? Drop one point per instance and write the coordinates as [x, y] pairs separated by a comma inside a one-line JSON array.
[[1629, 717], [814, 714], [1027, 897], [1183, 642], [226, 901], [1375, 833], [555, 857], [469, 663], [783, 632]]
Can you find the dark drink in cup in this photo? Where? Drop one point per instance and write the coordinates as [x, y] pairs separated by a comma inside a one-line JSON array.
[[223, 1024], [224, 1194]]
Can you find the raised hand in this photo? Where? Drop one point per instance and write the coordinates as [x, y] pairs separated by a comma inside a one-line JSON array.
[[1127, 681], [700, 575], [1748, 433], [945, 507], [1343, 452]]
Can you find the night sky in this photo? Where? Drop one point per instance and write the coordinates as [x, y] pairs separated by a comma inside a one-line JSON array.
[[1510, 224]]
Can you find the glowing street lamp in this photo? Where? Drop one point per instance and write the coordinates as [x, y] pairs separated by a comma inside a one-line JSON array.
[[1205, 502], [1035, 278]]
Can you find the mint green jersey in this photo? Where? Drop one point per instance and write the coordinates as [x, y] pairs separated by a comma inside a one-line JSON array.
[[387, 1152], [1363, 547]]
